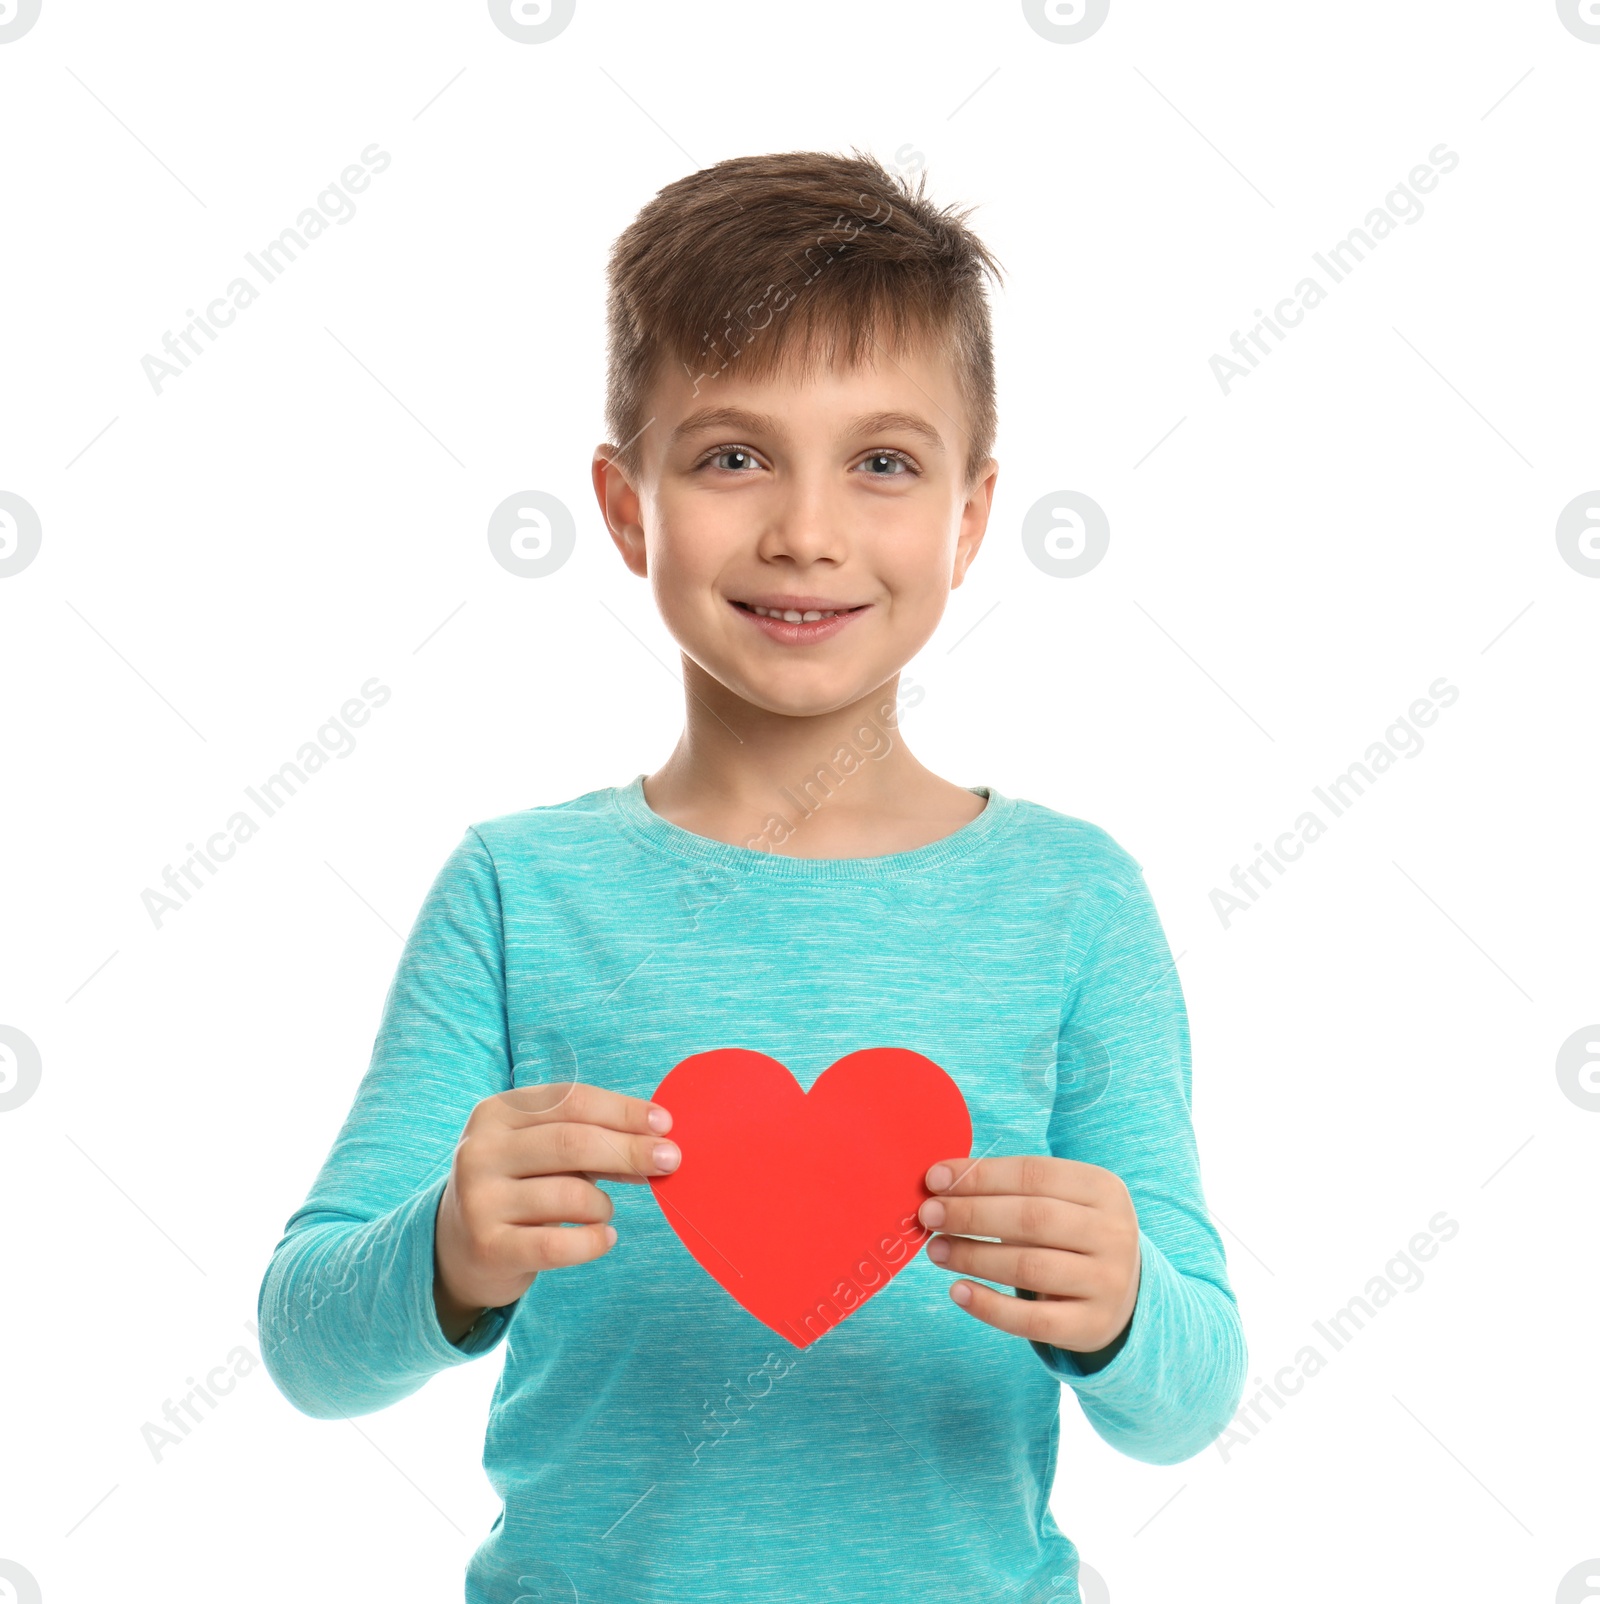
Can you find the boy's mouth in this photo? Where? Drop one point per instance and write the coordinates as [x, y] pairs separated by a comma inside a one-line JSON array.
[[803, 610], [806, 619]]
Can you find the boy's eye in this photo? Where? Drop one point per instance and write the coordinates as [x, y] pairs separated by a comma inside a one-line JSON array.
[[895, 462], [886, 464]]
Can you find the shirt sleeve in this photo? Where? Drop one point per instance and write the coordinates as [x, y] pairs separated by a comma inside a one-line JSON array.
[[346, 1313], [1174, 1379]]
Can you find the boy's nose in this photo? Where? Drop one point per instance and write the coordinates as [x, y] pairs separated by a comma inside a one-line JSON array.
[[805, 526]]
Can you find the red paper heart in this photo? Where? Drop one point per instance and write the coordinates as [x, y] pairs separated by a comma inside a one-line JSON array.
[[803, 1205]]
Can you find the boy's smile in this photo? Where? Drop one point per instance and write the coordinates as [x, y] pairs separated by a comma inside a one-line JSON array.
[[802, 533], [799, 620]]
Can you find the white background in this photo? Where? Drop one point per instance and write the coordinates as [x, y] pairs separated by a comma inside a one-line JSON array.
[[222, 565]]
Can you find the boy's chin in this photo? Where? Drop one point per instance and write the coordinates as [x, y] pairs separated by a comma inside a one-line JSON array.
[[788, 699]]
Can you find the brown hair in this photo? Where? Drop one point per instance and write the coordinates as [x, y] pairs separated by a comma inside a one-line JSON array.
[[776, 261]]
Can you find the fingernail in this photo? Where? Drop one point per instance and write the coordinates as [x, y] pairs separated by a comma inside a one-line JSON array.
[[939, 1177], [938, 1250], [659, 1120], [932, 1212], [611, 1235], [665, 1156], [961, 1292]]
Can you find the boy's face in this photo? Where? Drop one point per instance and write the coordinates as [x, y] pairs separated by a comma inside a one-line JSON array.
[[841, 491]]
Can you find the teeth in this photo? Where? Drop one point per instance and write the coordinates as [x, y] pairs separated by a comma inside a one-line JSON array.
[[790, 616]]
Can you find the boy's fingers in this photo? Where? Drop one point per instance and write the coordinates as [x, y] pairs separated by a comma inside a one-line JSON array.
[[562, 1147], [581, 1103], [1022, 1317], [561, 1199], [554, 1247], [1042, 1270], [1021, 1174], [1046, 1222]]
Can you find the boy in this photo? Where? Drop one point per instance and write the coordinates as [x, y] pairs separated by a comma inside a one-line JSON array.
[[802, 382]]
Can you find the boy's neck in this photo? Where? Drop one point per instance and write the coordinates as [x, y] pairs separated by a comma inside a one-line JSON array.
[[829, 785]]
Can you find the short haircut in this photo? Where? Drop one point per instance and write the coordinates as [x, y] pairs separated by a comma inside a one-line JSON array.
[[775, 262]]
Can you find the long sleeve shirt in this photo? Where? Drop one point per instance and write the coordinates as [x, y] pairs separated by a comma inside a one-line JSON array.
[[651, 1440]]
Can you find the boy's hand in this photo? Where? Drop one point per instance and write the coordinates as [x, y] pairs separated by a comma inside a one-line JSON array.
[[525, 1166], [1068, 1233]]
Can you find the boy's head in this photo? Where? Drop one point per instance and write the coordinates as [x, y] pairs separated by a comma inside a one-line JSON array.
[[801, 401]]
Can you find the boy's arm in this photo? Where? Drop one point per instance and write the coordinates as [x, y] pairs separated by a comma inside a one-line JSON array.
[[347, 1317], [1172, 1380]]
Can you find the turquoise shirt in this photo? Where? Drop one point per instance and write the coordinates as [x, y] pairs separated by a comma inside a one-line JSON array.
[[652, 1441]]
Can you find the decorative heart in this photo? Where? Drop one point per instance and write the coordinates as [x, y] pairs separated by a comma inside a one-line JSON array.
[[803, 1205]]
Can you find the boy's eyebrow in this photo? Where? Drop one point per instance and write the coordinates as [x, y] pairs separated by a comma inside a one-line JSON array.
[[737, 418], [888, 422], [725, 418]]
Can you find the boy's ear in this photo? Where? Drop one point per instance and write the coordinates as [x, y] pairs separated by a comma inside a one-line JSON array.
[[619, 506], [974, 521]]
